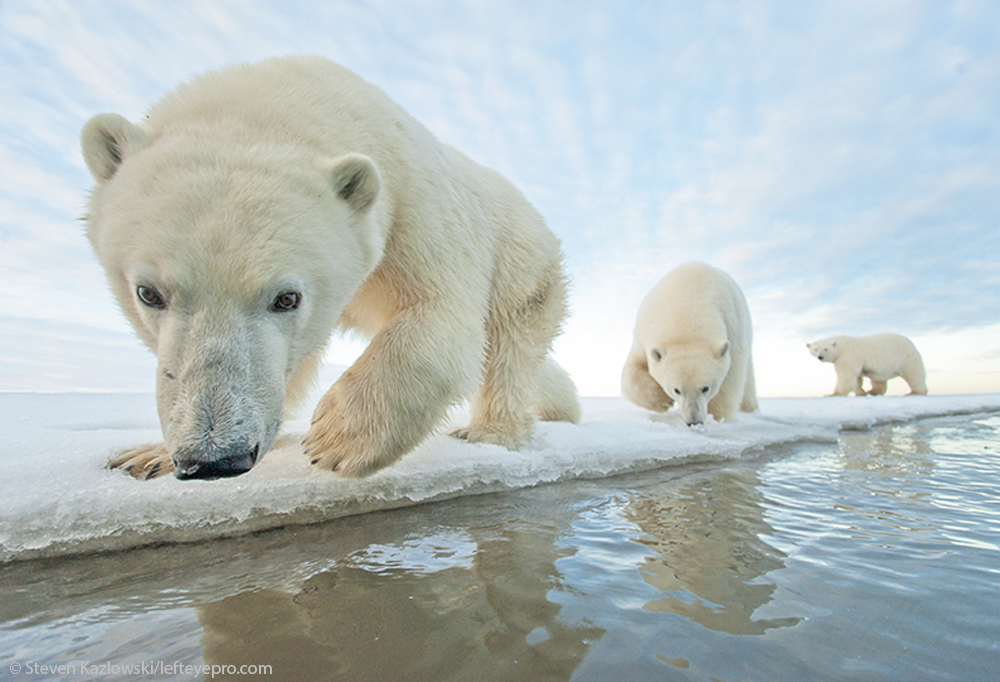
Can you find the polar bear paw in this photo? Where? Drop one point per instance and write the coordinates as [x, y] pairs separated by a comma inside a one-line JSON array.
[[144, 462], [493, 436], [341, 440], [348, 454]]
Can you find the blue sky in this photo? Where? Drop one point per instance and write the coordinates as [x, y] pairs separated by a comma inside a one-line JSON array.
[[840, 159]]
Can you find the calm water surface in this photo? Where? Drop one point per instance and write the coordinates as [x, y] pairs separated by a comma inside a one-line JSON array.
[[874, 559]]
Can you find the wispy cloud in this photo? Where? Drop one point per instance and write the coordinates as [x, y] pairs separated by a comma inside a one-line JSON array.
[[839, 159]]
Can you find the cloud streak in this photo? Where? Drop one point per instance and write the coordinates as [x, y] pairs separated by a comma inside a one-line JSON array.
[[839, 159]]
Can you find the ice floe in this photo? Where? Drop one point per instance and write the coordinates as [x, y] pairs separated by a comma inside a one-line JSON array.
[[58, 497]]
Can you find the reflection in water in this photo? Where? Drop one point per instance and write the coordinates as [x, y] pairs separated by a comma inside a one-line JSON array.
[[709, 554], [900, 450], [444, 616], [474, 604], [886, 512], [875, 559]]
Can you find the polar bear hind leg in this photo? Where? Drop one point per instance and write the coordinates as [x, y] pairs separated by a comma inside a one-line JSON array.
[[749, 402], [878, 386], [555, 395], [518, 341]]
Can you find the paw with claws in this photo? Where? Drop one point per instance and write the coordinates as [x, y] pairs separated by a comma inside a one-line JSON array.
[[342, 439], [144, 462]]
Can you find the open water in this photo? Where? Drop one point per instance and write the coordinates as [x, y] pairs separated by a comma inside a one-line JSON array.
[[876, 558]]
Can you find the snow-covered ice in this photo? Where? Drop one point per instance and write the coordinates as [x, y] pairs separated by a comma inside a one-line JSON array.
[[58, 497]]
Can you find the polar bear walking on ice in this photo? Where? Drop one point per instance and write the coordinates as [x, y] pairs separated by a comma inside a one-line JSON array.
[[258, 208], [693, 345], [879, 357]]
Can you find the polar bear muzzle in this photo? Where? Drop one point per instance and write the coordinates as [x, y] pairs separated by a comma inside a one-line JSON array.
[[220, 388], [216, 462], [218, 431]]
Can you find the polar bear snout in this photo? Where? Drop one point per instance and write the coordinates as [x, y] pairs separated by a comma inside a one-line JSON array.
[[220, 389], [219, 443], [219, 432], [215, 462], [693, 411]]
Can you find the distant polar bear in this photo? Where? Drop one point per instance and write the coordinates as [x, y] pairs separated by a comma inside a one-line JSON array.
[[693, 345], [260, 207], [879, 357]]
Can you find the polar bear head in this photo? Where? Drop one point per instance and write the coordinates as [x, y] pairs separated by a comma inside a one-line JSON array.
[[826, 350], [233, 260], [691, 374]]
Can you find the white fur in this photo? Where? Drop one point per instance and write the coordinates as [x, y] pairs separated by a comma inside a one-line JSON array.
[[294, 175], [693, 345], [879, 357]]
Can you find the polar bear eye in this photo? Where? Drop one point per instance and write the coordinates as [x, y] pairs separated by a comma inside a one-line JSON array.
[[704, 389], [150, 297], [677, 391], [289, 300]]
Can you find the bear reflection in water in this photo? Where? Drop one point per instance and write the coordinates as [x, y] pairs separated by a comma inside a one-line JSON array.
[[510, 607], [709, 552], [361, 621]]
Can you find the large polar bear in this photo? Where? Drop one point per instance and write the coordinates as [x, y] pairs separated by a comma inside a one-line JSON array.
[[693, 345], [879, 357], [260, 207]]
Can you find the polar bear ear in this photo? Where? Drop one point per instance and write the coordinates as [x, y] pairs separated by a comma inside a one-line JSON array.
[[104, 140], [356, 180], [721, 350]]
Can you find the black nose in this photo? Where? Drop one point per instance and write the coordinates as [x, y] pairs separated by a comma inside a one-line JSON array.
[[225, 463]]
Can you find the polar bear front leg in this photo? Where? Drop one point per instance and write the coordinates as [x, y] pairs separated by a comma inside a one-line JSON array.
[[393, 396], [848, 379], [144, 462], [639, 386], [860, 388], [918, 386]]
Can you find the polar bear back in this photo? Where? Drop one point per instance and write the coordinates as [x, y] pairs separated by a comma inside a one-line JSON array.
[[330, 111], [324, 107], [694, 301], [882, 356]]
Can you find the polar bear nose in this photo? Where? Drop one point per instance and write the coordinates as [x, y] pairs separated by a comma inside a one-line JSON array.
[[230, 462]]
